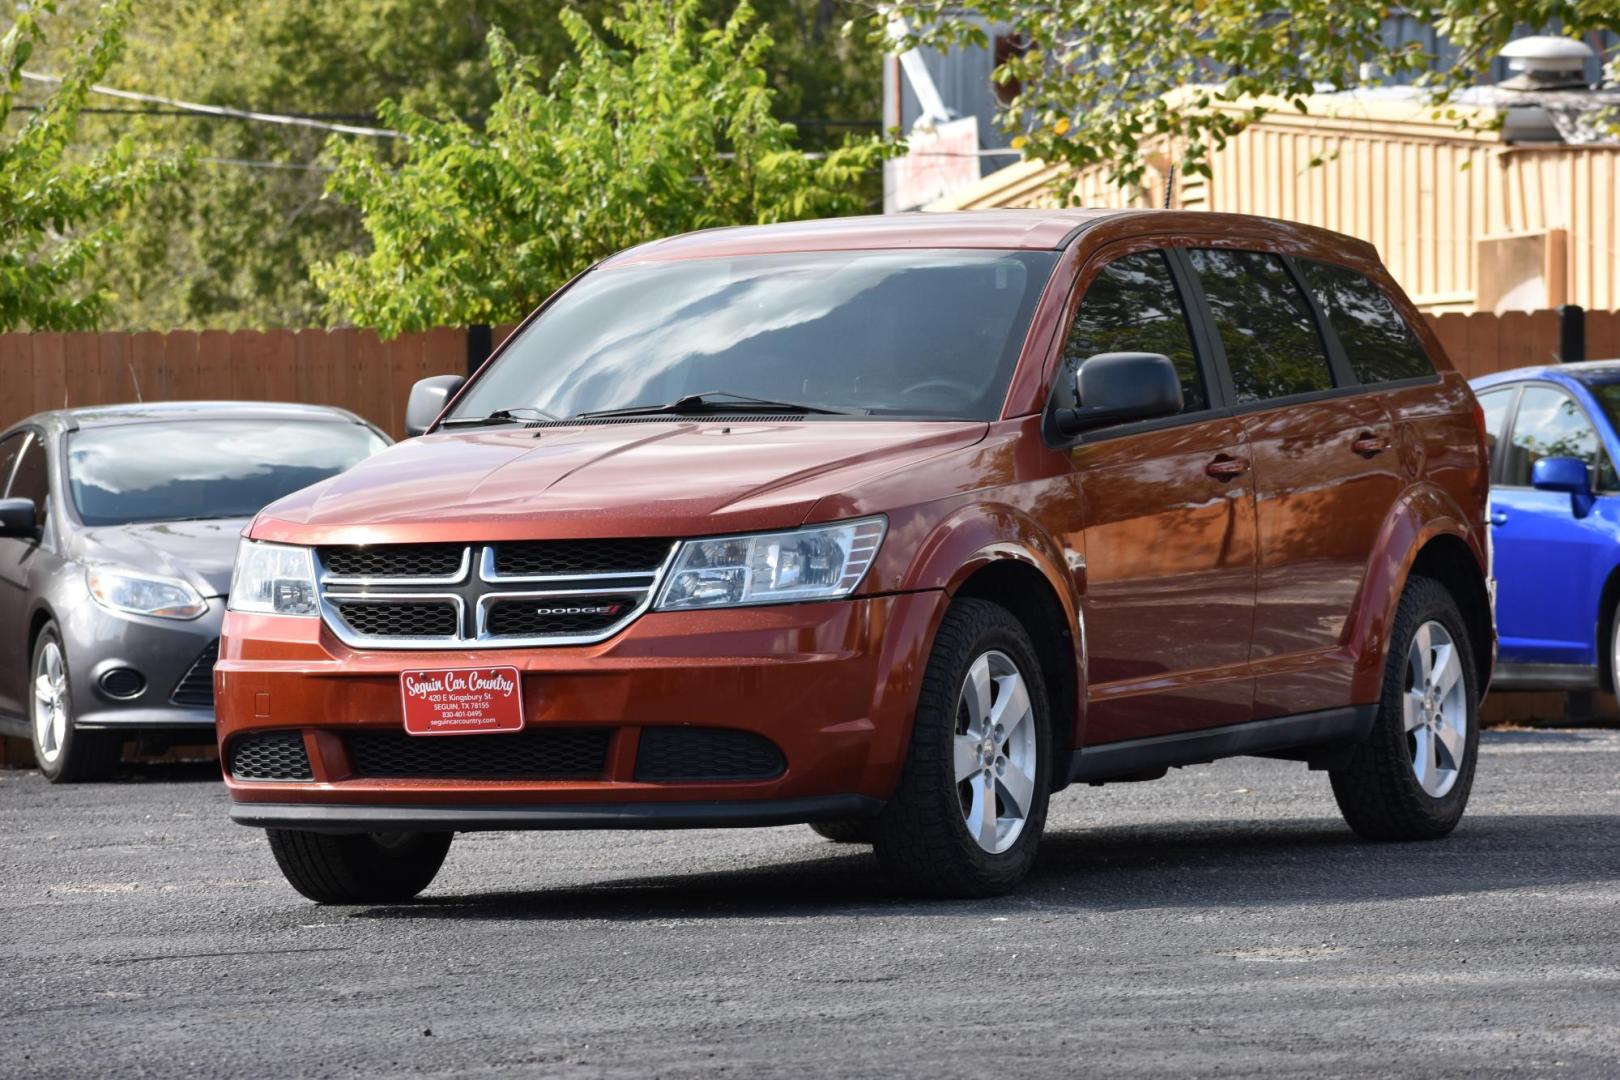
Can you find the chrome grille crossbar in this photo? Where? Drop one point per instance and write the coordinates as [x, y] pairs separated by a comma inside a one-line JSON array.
[[415, 599]]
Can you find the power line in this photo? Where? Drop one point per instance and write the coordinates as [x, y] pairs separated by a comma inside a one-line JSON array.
[[222, 110]]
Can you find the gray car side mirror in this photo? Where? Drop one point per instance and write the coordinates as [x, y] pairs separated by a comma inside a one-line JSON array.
[[18, 518], [427, 401]]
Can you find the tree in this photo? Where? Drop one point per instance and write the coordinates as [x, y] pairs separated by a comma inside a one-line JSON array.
[[1100, 82], [56, 211], [663, 127]]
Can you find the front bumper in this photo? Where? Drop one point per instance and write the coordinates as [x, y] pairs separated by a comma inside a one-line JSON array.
[[172, 657], [833, 685]]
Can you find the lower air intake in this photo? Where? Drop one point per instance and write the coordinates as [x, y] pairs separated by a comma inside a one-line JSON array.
[[270, 755], [537, 754], [670, 753]]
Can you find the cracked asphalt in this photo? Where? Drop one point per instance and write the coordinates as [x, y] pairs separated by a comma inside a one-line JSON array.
[[1221, 922]]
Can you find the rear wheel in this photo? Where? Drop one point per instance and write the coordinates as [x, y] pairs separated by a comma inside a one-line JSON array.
[[65, 754], [967, 814], [358, 868], [1410, 780]]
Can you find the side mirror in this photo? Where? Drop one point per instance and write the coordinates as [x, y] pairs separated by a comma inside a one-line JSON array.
[[1568, 475], [1116, 388], [17, 519], [427, 401]]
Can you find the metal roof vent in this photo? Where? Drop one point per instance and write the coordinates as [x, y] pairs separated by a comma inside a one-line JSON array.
[[1546, 62]]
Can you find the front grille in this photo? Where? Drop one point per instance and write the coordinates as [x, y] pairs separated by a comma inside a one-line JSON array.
[[400, 619], [512, 593], [269, 755], [536, 754], [672, 753], [536, 558], [394, 560], [196, 687], [556, 616]]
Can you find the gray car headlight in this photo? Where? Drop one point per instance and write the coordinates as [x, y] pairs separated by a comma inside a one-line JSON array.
[[144, 594], [821, 562], [273, 579]]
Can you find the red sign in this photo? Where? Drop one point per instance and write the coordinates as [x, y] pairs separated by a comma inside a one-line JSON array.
[[463, 701]]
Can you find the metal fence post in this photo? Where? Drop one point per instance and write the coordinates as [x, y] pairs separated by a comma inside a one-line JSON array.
[[480, 343], [1571, 334]]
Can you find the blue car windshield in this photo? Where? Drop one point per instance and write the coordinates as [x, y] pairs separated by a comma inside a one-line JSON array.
[[931, 333], [198, 469]]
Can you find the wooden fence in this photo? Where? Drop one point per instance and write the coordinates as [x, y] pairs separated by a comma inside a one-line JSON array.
[[358, 371]]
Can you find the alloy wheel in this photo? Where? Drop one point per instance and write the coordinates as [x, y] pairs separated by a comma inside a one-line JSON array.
[[1435, 709], [995, 750], [50, 703]]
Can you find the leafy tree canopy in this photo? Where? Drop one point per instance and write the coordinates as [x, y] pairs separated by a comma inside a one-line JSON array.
[[1102, 81], [661, 125], [56, 211]]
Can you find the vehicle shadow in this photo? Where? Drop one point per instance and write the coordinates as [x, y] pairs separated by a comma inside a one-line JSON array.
[[1172, 865]]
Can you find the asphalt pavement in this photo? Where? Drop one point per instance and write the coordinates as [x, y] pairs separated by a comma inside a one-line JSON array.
[[1221, 922]]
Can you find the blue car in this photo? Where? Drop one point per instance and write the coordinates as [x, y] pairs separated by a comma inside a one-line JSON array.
[[1555, 523]]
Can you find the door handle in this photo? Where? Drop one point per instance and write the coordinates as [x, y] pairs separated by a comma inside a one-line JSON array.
[[1498, 517], [1369, 445], [1227, 468]]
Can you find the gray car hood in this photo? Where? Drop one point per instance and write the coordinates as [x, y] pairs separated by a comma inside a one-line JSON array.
[[200, 552]]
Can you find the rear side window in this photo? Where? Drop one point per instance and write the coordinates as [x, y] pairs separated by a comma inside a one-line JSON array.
[[1272, 345], [1550, 424], [1496, 404], [1134, 306], [10, 447], [1379, 344]]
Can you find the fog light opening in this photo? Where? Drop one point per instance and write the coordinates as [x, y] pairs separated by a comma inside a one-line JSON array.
[[122, 683]]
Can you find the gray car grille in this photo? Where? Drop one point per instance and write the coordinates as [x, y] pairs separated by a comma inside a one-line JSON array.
[[196, 687], [512, 593]]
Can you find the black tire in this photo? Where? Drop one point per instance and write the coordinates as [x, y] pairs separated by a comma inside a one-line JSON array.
[[80, 755], [1377, 790], [358, 868], [851, 831], [920, 836]]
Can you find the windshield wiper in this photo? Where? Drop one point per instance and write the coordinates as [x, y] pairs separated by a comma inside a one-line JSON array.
[[720, 401], [500, 416]]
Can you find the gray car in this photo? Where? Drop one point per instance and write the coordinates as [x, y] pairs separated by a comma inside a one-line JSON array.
[[118, 530]]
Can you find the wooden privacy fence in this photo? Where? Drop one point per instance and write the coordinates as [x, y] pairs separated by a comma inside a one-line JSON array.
[[358, 371]]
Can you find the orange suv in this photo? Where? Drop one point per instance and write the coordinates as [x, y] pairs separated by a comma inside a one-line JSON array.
[[892, 526]]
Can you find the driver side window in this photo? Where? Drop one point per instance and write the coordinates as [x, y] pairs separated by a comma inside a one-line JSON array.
[[1133, 306]]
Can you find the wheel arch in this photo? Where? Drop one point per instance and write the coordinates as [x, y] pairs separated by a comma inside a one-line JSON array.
[[1608, 601]]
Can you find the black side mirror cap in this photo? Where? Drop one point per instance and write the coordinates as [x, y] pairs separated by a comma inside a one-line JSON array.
[[428, 399], [18, 518], [1119, 387]]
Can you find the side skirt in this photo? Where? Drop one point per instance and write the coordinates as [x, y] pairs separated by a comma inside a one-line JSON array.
[[1135, 758], [1545, 677]]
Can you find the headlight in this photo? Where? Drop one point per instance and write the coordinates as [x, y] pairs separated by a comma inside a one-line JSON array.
[[144, 594], [823, 562], [273, 579]]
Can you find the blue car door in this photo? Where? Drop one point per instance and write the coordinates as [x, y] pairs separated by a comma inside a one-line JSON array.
[[1552, 549]]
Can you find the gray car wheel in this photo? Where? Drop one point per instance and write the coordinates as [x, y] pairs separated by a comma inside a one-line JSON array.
[[64, 753]]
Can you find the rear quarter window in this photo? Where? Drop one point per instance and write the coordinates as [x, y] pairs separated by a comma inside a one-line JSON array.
[[1379, 344]]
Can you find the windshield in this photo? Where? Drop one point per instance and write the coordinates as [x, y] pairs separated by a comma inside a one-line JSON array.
[[204, 468], [910, 333]]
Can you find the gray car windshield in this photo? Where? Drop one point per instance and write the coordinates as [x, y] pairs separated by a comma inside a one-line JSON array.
[[930, 333], [204, 468]]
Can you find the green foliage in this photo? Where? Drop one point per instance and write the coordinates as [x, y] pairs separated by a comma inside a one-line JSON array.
[[1103, 81], [663, 127], [55, 211]]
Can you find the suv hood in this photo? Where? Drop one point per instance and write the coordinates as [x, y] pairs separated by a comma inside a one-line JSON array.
[[658, 478], [200, 552]]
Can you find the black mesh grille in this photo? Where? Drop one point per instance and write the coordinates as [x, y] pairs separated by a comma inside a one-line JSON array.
[[624, 556], [393, 560], [668, 753], [557, 615], [270, 755], [400, 618], [543, 754], [197, 686]]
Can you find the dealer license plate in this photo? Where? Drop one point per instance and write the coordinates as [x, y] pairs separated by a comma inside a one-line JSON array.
[[462, 701]]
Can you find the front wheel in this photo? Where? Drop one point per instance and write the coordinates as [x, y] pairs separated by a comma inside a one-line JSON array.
[[1410, 780], [64, 752], [967, 814], [358, 868]]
